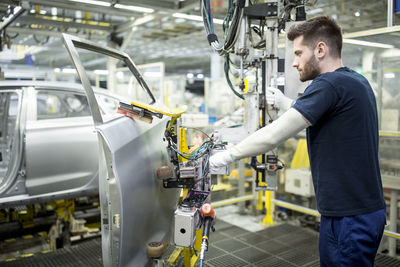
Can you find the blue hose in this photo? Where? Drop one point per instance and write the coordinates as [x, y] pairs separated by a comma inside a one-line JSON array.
[[201, 263]]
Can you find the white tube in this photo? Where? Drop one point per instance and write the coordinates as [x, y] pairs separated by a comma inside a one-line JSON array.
[[269, 137]]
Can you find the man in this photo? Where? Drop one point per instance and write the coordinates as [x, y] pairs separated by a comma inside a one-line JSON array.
[[339, 111]]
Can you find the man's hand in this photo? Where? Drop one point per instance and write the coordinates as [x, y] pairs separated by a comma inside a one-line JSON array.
[[219, 160], [275, 97]]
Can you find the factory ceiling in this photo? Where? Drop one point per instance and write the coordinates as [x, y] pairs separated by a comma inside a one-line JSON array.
[[148, 30]]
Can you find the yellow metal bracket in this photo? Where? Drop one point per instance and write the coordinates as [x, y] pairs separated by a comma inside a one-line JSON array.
[[190, 255], [65, 207], [268, 219]]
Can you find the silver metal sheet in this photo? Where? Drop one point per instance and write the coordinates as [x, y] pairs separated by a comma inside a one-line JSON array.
[[131, 191], [135, 208]]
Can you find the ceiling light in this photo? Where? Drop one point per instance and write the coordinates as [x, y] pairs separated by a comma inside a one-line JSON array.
[[32, 11], [101, 72], [200, 76], [7, 20], [389, 75], [43, 12], [143, 20], [187, 16], [194, 17], [69, 70], [57, 70], [190, 75], [135, 8], [366, 43], [92, 2], [16, 9], [357, 14]]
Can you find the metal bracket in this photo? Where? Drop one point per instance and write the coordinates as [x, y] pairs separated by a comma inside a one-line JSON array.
[[261, 11]]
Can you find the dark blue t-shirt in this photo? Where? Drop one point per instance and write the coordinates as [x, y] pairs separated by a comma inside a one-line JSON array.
[[343, 143]]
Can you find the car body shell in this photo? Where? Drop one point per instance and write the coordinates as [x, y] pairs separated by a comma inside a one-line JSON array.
[[48, 155]]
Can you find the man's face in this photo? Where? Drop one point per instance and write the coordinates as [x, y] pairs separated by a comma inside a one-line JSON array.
[[305, 60]]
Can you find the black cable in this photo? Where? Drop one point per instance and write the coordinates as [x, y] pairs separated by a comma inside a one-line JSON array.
[[41, 42], [12, 37], [226, 68]]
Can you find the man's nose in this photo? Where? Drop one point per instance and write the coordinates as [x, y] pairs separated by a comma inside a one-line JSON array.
[[295, 64]]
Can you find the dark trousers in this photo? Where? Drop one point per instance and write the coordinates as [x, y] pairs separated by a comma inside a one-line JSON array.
[[352, 240]]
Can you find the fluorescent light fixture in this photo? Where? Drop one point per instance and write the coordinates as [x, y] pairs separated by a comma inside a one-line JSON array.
[[389, 75], [16, 9], [190, 75], [69, 70], [42, 12], [357, 14], [366, 43], [32, 11], [135, 8], [143, 20], [195, 17], [186, 16], [200, 76], [101, 72], [153, 74], [92, 2], [57, 70]]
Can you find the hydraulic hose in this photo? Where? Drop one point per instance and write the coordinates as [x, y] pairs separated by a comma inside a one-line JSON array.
[[209, 215]]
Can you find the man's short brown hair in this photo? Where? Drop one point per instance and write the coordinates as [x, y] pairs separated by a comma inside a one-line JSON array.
[[319, 29]]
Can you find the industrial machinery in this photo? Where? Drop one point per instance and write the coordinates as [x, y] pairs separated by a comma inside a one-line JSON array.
[[191, 172], [136, 167], [250, 46], [141, 161]]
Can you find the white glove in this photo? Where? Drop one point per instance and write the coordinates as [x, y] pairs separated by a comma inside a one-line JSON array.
[[219, 160], [275, 97]]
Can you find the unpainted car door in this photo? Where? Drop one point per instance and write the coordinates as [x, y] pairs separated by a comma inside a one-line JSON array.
[[135, 208], [61, 144]]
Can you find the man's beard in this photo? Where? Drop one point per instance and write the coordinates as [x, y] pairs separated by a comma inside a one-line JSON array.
[[310, 70]]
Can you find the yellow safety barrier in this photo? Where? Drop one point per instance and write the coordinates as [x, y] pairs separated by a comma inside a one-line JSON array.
[[300, 158]]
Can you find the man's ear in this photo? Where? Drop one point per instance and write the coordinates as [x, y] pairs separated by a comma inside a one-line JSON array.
[[321, 50]]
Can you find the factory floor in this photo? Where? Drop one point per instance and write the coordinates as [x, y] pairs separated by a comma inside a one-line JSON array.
[[239, 240]]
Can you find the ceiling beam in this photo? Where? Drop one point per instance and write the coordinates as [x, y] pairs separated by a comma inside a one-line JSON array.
[[155, 4], [84, 7], [29, 19], [51, 33], [128, 26]]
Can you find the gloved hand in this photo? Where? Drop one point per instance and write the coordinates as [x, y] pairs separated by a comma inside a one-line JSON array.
[[275, 97], [219, 160]]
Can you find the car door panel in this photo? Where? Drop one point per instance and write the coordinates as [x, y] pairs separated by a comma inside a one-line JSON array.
[[145, 208], [61, 154], [135, 208]]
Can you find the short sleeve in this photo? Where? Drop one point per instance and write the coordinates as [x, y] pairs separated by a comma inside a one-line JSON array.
[[318, 99]]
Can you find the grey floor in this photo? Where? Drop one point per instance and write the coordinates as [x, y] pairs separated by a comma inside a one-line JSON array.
[[248, 244]]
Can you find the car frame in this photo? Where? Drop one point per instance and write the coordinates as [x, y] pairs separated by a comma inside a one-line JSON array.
[[48, 156]]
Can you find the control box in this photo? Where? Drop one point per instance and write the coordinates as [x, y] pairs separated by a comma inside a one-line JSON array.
[[299, 182], [186, 221]]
